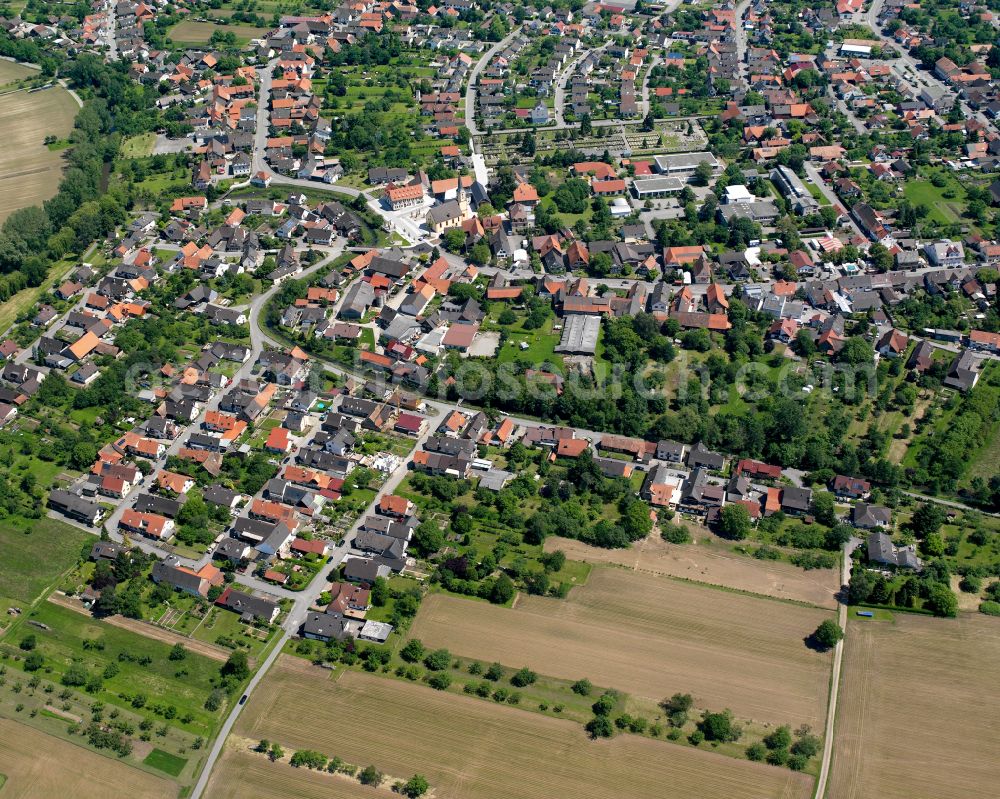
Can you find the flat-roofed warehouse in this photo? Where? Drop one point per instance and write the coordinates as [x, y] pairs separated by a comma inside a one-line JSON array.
[[579, 336], [684, 163], [644, 188]]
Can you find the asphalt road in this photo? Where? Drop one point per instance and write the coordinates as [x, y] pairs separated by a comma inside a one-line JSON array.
[[470, 89]]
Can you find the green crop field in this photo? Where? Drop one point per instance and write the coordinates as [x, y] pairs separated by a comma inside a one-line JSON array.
[[35, 553]]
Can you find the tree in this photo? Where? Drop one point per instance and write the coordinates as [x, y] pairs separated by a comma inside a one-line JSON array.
[[454, 239], [942, 601], [523, 677], [734, 521], [275, 753], [856, 351], [28, 643], [236, 669], [438, 660], [177, 652], [823, 508], [880, 257], [702, 174], [927, 519], [427, 539], [416, 786], [828, 634], [502, 591], [571, 197], [719, 727], [413, 651], [779, 738], [600, 727], [380, 592], [34, 661], [371, 776], [582, 687]]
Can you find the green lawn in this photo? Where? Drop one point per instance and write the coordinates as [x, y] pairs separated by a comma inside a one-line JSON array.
[[183, 685], [138, 146], [166, 762], [541, 346], [35, 552], [940, 208]]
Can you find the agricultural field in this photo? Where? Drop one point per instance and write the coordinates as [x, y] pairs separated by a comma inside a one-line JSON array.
[[35, 553], [468, 748], [239, 768], [651, 637], [929, 677], [711, 560], [11, 71], [29, 171], [40, 766]]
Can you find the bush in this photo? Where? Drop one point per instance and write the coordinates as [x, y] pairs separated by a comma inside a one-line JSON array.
[[309, 758], [990, 608], [675, 533], [781, 738], [696, 737], [807, 746], [600, 727], [439, 681], [34, 661], [756, 751], [371, 776], [416, 786], [523, 677], [413, 651], [29, 642], [797, 762], [438, 660], [604, 705], [970, 584], [582, 687], [777, 757], [75, 675], [719, 727], [494, 672]]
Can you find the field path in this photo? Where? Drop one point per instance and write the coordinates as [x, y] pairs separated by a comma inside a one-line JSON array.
[[838, 656]]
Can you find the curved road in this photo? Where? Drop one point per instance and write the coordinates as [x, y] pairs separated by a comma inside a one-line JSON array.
[[470, 89]]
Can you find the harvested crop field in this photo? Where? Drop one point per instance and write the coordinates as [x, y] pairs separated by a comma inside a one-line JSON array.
[[916, 718], [40, 766], [238, 770], [29, 171], [711, 561], [471, 749], [11, 71], [651, 636]]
